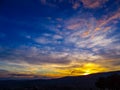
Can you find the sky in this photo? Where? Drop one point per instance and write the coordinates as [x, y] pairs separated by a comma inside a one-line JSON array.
[[57, 38]]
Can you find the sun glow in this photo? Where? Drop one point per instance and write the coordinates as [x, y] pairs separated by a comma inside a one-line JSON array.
[[90, 68], [87, 72]]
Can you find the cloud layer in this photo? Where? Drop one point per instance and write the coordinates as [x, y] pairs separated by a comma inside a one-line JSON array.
[[74, 37]]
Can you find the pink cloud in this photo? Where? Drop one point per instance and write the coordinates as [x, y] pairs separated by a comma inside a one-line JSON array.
[[112, 17], [74, 26], [93, 3], [76, 5]]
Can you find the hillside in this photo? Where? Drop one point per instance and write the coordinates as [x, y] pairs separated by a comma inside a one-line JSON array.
[[72, 83]]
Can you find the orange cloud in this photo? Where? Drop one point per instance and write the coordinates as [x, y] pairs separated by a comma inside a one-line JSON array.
[[85, 34], [96, 29]]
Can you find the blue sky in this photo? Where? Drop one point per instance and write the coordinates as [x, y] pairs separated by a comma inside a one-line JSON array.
[[52, 38]]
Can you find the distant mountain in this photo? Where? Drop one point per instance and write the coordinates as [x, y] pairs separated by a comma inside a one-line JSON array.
[[66, 83]]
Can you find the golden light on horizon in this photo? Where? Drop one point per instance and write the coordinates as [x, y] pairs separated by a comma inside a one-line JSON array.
[[91, 68], [58, 71], [88, 68], [87, 73]]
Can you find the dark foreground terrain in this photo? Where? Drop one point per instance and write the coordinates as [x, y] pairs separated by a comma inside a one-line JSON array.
[[101, 81]]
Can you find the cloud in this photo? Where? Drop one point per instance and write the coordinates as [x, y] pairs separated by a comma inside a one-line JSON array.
[[57, 37], [66, 43], [54, 39], [93, 3], [88, 37], [4, 73], [76, 5], [110, 19], [35, 61], [91, 33], [23, 76], [8, 74], [82, 40], [74, 26], [31, 54], [42, 40]]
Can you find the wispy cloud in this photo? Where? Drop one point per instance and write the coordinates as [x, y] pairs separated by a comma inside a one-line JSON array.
[[77, 3], [93, 3]]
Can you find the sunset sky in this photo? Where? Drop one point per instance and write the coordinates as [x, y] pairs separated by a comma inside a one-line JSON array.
[[57, 38]]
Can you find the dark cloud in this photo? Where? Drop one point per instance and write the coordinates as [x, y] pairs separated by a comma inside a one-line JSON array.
[[22, 76], [8, 74], [4, 73]]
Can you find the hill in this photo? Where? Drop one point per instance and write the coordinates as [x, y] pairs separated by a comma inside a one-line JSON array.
[[66, 83]]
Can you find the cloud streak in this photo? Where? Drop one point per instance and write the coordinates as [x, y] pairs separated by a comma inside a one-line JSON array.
[[93, 3]]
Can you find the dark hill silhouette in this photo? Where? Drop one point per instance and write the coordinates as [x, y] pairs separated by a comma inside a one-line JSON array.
[[87, 82], [111, 82]]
